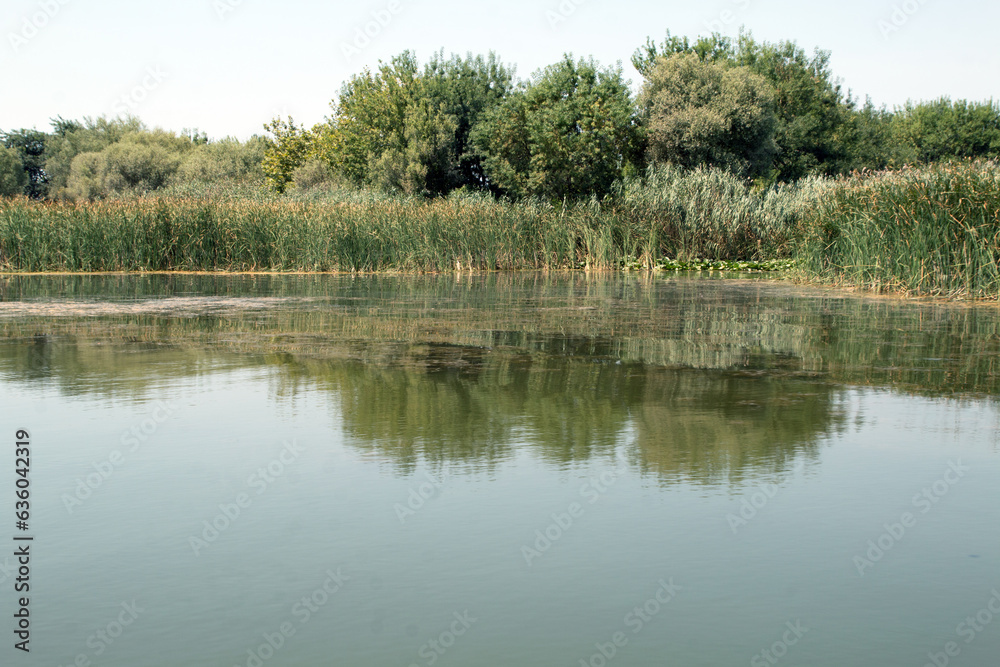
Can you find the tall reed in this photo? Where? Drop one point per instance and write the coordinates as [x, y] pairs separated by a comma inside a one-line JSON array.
[[931, 230], [667, 213]]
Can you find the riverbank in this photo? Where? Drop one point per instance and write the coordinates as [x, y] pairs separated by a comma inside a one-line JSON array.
[[930, 231]]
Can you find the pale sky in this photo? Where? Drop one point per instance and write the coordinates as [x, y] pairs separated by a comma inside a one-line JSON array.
[[226, 67]]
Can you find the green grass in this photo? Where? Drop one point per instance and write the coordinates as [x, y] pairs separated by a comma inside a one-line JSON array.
[[932, 231], [667, 214]]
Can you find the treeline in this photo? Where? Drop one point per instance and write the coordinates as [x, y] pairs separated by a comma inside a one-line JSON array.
[[765, 112], [96, 158]]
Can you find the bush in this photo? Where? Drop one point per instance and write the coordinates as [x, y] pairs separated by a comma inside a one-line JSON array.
[[140, 162], [13, 178], [313, 174], [225, 161]]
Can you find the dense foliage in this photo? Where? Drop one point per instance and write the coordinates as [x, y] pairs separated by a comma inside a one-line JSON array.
[[764, 111], [703, 113], [930, 230], [399, 128], [97, 158], [570, 132]]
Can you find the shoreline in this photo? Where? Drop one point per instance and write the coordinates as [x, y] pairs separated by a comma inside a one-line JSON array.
[[788, 277]]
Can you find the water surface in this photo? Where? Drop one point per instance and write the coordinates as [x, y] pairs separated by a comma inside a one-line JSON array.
[[536, 469]]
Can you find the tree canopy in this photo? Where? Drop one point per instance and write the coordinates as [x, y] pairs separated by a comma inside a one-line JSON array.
[[569, 132], [760, 110], [703, 112]]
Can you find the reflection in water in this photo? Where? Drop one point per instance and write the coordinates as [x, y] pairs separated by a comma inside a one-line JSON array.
[[678, 423], [444, 423], [699, 379]]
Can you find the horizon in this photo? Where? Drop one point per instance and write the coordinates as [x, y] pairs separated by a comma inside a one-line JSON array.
[[222, 81]]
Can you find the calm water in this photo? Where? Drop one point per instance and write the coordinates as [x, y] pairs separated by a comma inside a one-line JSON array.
[[501, 470]]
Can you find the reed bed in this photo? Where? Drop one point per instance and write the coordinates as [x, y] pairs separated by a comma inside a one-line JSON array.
[[665, 214], [144, 234], [932, 230]]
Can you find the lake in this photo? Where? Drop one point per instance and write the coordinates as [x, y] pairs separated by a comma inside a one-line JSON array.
[[511, 469]]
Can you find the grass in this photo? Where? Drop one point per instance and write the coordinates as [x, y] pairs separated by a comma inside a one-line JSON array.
[[668, 213], [931, 230]]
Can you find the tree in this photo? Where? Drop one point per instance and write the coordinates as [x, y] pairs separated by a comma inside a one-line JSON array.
[[369, 120], [140, 162], [399, 127], [465, 89], [701, 112], [944, 129], [865, 140], [570, 132], [13, 177], [713, 47], [29, 145], [229, 160], [72, 138], [423, 160], [289, 149], [810, 107]]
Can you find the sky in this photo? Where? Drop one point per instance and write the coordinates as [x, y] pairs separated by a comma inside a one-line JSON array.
[[226, 67]]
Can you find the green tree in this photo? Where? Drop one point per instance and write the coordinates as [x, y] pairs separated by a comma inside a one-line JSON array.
[[943, 129], [30, 146], [88, 173], [13, 177], [465, 89], [399, 127], [712, 47], [288, 148], [570, 132], [423, 159], [865, 140], [140, 162], [227, 160], [72, 138], [369, 121], [810, 107], [700, 112]]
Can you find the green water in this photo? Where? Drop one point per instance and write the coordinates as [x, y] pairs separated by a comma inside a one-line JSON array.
[[499, 470]]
